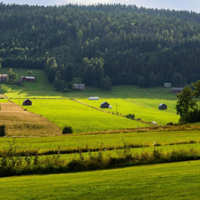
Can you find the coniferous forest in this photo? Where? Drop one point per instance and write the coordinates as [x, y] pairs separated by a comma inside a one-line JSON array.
[[102, 44]]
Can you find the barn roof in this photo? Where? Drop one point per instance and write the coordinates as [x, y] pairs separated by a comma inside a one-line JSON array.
[[29, 77], [93, 98], [105, 102], [3, 74], [26, 100], [162, 104]]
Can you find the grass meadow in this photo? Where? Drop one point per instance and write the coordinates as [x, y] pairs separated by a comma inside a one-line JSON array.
[[72, 142], [65, 112], [42, 89], [145, 109], [96, 130], [38, 89], [163, 181]]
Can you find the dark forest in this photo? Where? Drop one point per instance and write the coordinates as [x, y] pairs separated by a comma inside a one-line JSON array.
[[102, 44]]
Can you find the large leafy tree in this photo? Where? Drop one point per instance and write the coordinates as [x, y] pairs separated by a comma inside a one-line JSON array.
[[11, 75], [186, 101], [197, 88]]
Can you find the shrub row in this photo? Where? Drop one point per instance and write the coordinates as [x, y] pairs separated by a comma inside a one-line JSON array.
[[10, 164]]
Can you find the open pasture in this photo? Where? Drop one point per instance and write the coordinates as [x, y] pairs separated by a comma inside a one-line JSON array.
[[126, 91], [38, 89], [42, 89], [164, 181], [145, 109], [71, 142], [65, 112]]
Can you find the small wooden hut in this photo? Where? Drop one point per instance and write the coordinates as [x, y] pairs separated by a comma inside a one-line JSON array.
[[105, 105], [162, 106], [27, 102]]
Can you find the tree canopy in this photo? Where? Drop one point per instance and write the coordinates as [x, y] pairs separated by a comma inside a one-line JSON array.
[[137, 46]]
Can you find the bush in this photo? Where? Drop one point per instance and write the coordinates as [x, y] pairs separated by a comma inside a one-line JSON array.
[[170, 123], [2, 130], [130, 116], [67, 129]]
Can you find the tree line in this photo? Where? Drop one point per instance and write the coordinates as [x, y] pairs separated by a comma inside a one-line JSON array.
[[102, 44]]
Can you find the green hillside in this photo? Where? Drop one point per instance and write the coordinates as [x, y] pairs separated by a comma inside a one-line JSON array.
[[165, 181]]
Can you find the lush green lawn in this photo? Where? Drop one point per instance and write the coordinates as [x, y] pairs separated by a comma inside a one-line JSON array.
[[145, 109], [163, 181], [81, 118]]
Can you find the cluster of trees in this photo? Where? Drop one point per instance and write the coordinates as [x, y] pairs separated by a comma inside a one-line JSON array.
[[11, 75], [187, 105], [120, 43], [61, 76]]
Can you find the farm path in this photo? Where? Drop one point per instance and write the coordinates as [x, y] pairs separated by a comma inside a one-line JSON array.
[[20, 122]]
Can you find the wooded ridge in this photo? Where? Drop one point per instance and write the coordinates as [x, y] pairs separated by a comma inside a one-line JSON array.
[[99, 43]]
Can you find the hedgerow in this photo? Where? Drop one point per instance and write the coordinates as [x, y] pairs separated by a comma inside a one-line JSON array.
[[13, 164]]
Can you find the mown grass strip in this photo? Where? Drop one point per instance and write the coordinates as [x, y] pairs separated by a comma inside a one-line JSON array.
[[165, 181]]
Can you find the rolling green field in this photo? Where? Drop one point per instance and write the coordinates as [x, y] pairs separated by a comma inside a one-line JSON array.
[[94, 129], [81, 118], [145, 109], [163, 181], [95, 140]]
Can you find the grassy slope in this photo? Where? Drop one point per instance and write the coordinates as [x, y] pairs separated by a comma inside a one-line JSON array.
[[42, 89], [81, 118], [39, 89], [146, 109], [158, 181], [164, 181]]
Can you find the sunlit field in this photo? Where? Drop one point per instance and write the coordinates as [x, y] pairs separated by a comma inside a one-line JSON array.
[[80, 117], [164, 181], [145, 109]]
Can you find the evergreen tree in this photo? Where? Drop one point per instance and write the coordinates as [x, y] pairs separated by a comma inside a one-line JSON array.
[[56, 83], [106, 83], [152, 79]]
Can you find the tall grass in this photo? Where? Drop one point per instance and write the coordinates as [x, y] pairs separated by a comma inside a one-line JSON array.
[[12, 163]]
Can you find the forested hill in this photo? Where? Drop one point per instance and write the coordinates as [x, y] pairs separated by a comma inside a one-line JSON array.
[[131, 45]]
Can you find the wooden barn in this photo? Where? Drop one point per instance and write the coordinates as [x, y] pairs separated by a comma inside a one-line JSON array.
[[28, 78], [105, 105], [79, 86], [167, 85], [177, 89], [93, 98], [27, 102], [162, 106], [3, 77]]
